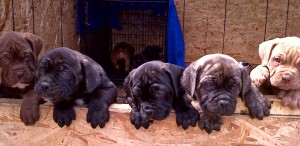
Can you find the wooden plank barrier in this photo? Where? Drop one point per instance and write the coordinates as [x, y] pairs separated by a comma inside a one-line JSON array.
[[281, 128]]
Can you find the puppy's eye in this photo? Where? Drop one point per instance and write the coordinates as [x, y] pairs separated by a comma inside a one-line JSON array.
[[277, 60], [61, 67], [42, 68], [235, 84], [5, 60], [65, 73], [27, 57], [209, 85], [154, 89], [159, 92], [136, 91]]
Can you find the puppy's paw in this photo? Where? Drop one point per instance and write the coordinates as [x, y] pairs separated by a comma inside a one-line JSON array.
[[210, 123], [137, 120], [97, 116], [290, 98], [259, 75], [29, 114], [186, 117], [259, 108], [63, 115]]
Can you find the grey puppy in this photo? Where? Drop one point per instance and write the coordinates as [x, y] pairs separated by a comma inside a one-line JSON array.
[[66, 77], [213, 84], [153, 89]]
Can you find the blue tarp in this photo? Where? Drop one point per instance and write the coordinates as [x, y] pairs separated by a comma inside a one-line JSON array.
[[101, 13]]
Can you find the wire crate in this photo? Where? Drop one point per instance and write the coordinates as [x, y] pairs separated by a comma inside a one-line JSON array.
[[142, 24]]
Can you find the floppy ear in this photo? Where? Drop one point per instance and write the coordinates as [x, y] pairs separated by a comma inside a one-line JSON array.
[[265, 50], [93, 74], [190, 77], [246, 82], [127, 83], [35, 42], [174, 72]]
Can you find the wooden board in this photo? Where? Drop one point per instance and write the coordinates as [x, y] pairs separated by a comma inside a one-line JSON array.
[[293, 20], [69, 25], [236, 27], [245, 27], [48, 23], [281, 128], [276, 16], [180, 11], [6, 16], [23, 15], [204, 27]]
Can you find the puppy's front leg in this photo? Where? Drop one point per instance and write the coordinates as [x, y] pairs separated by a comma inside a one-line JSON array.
[[210, 122], [186, 114], [258, 105], [101, 99], [290, 98], [136, 118], [63, 113], [259, 75], [30, 112]]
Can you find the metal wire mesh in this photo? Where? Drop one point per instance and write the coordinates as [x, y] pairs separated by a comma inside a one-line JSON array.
[[141, 26]]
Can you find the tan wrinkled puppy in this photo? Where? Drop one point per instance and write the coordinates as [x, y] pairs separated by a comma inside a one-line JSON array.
[[279, 71]]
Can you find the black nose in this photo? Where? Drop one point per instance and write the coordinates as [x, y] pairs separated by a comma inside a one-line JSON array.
[[20, 73], [45, 85], [224, 103]]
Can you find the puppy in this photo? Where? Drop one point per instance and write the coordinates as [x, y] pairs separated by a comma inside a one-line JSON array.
[[150, 53], [18, 60], [152, 90], [66, 77], [279, 72], [213, 84], [121, 56]]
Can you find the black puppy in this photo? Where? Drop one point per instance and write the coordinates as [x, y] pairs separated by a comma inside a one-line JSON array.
[[150, 53], [65, 77], [152, 90]]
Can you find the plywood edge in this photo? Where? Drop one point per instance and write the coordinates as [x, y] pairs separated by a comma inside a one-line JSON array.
[[237, 129], [276, 110]]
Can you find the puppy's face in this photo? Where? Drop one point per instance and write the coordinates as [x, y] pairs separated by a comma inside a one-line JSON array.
[[18, 55], [214, 81], [121, 56], [218, 88], [58, 75], [120, 53], [284, 64], [122, 50], [152, 87]]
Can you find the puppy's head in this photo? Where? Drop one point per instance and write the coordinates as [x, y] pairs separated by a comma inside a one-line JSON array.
[[152, 87], [18, 58], [62, 71], [282, 57], [214, 82], [121, 56], [152, 52], [122, 49]]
